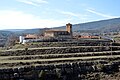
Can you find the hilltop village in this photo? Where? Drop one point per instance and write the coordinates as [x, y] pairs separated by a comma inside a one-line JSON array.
[[61, 55], [50, 35], [54, 35]]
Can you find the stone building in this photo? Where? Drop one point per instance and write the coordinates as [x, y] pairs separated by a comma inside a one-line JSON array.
[[60, 34], [48, 35]]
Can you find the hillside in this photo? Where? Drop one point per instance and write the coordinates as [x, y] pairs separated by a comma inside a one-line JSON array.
[[103, 25], [110, 25], [4, 34], [4, 37], [61, 61], [19, 32]]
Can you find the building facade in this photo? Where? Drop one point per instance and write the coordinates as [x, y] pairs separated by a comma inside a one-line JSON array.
[[60, 34]]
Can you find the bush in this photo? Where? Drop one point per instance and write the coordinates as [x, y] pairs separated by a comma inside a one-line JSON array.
[[26, 49]]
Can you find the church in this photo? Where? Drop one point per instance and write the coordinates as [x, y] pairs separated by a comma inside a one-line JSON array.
[[60, 34]]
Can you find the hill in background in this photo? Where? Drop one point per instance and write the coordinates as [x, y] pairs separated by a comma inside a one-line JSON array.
[[110, 25]]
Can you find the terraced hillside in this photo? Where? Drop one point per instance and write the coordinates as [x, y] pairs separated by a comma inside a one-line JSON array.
[[61, 63]]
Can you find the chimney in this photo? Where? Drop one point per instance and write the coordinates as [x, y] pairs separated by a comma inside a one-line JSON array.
[[69, 28]]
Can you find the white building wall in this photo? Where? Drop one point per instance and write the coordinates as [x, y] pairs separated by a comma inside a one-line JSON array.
[[21, 38]]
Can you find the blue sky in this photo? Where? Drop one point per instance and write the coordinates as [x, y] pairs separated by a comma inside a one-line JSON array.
[[27, 14]]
